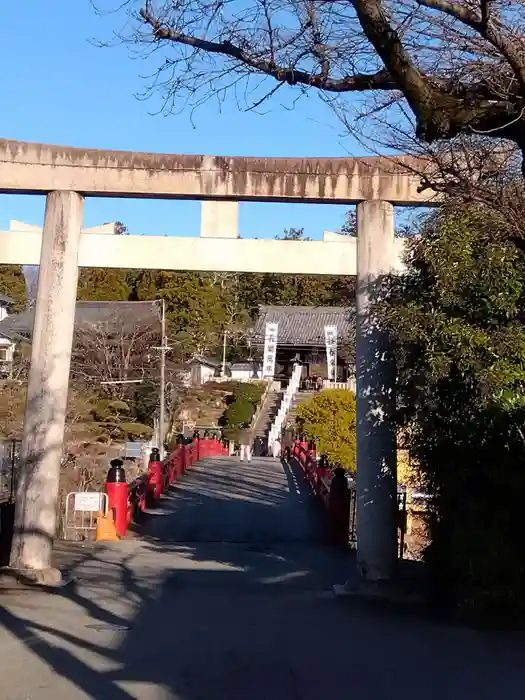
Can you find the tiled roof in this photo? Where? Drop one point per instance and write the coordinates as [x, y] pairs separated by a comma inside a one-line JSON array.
[[244, 366], [126, 315], [206, 361], [303, 326]]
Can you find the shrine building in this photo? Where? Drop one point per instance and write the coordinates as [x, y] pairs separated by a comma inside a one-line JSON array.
[[321, 338]]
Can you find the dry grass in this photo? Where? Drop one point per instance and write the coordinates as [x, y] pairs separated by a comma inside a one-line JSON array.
[[203, 406], [88, 447]]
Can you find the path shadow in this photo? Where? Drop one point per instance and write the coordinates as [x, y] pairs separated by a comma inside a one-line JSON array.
[[243, 619]]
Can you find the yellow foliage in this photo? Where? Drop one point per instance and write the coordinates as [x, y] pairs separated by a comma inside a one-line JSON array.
[[407, 471], [329, 419]]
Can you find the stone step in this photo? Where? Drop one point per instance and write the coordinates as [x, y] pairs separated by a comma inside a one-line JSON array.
[[268, 413]]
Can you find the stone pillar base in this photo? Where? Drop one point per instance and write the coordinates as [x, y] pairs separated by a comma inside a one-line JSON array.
[[385, 591], [23, 578]]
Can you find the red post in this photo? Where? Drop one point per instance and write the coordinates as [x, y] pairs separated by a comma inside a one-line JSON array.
[[117, 490], [156, 473], [178, 462], [172, 471], [339, 508]]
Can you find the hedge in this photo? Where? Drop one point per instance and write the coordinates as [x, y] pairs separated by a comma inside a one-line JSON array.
[[329, 419]]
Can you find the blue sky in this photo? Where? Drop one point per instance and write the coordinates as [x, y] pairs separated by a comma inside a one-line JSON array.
[[58, 87]]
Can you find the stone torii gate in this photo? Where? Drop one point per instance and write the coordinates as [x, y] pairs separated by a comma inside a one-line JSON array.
[[68, 175]]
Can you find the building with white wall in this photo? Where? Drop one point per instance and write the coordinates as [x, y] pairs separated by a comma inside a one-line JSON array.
[[202, 370], [246, 371], [7, 345]]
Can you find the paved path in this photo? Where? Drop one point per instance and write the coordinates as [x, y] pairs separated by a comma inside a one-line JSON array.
[[227, 597]]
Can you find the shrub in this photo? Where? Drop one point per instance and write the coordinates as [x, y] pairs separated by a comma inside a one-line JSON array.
[[243, 403], [119, 406], [249, 391], [239, 412], [231, 433], [329, 419], [135, 430], [457, 319]]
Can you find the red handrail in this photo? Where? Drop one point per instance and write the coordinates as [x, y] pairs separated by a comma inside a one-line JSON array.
[[145, 490], [336, 502]]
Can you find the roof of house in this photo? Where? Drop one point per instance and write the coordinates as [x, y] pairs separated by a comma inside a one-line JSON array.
[[303, 326], [206, 361], [244, 366], [126, 315]]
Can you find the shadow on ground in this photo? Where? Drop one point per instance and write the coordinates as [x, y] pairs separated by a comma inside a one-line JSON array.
[[226, 597]]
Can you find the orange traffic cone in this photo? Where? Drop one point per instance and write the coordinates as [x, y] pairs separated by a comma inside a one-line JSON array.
[[106, 530]]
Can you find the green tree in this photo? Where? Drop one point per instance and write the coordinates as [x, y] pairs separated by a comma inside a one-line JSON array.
[[457, 320], [349, 226], [295, 290], [13, 284], [251, 392], [239, 412], [104, 284], [293, 234], [196, 306], [329, 419]]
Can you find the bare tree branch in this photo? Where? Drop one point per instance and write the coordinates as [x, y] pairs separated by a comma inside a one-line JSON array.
[[114, 351], [284, 74], [458, 65]]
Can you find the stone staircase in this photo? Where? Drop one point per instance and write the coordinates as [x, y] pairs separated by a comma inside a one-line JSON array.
[[298, 399], [267, 414]]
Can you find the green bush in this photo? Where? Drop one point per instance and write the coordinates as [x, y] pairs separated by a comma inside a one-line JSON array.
[[329, 419], [119, 406], [472, 467], [243, 403], [239, 412], [457, 320], [249, 391], [135, 430], [232, 433]]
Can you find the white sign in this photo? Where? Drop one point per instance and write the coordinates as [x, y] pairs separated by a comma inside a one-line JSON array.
[[88, 501], [330, 334], [134, 449], [270, 350]]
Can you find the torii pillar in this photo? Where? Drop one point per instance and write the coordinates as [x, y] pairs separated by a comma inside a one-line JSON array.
[[46, 403], [376, 434]]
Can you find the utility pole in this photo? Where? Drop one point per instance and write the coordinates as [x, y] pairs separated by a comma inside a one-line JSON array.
[[224, 353], [162, 397]]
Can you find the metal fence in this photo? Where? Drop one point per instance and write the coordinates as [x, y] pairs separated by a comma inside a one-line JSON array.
[[402, 519], [9, 457], [80, 521]]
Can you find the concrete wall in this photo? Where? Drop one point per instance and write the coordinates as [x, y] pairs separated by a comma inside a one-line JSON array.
[[245, 375], [36, 168]]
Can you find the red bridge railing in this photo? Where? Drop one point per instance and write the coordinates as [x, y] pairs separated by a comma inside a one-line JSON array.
[[338, 497], [338, 494], [145, 492]]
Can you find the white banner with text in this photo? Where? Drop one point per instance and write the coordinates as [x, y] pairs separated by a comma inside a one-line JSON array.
[[330, 334], [270, 350]]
